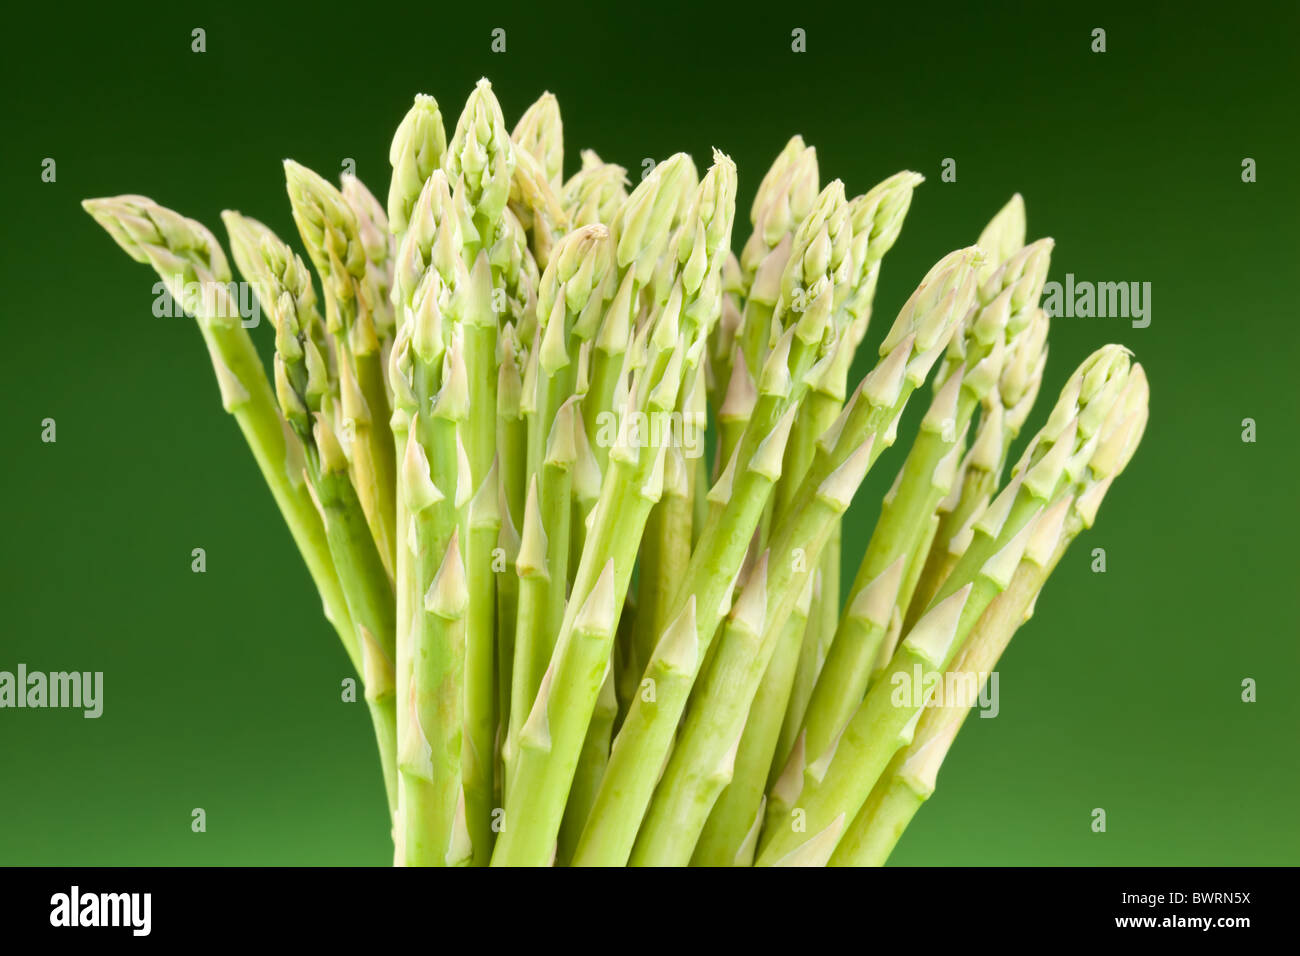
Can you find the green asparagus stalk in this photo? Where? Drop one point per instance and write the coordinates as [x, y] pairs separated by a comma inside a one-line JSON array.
[[877, 218], [428, 370], [969, 373], [569, 286], [185, 254], [551, 741], [730, 836], [480, 162], [330, 231], [631, 486], [283, 286], [703, 758], [591, 767], [640, 236], [646, 734], [696, 258], [1001, 417], [910, 778], [820, 792], [785, 198]]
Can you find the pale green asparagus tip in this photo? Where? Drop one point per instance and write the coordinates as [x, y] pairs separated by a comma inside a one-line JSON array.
[[281, 279], [272, 267], [481, 154], [776, 181], [1123, 428], [417, 150], [578, 268], [180, 250], [642, 225], [1004, 234], [1022, 372], [929, 318], [328, 228], [1004, 311], [284, 288], [703, 242], [785, 198], [821, 245], [427, 217], [541, 133], [372, 221], [594, 194], [878, 217], [1071, 434]]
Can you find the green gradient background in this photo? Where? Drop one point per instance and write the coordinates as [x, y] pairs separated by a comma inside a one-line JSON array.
[[222, 688]]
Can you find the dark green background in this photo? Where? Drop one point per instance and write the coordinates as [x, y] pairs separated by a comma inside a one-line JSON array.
[[222, 688]]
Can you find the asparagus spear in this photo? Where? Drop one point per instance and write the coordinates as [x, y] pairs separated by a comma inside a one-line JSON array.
[[910, 778], [595, 193], [785, 198], [730, 835], [569, 288], [430, 378], [1002, 414], [480, 163], [703, 757], [646, 735], [374, 293], [640, 235], [671, 342], [820, 792], [877, 218], [417, 150], [696, 257], [969, 373], [283, 286], [332, 236], [551, 740]]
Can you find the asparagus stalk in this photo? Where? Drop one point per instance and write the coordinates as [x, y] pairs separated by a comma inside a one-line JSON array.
[[480, 162], [730, 836], [910, 778], [428, 371], [785, 198], [283, 286], [591, 767], [551, 741], [673, 341], [640, 235], [646, 734], [703, 758], [569, 286], [330, 232], [820, 792], [970, 372], [185, 254], [696, 258], [877, 219], [1001, 417]]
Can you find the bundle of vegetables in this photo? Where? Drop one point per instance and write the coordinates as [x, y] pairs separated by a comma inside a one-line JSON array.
[[570, 478]]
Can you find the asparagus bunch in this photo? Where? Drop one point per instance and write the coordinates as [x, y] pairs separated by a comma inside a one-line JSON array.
[[569, 475]]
